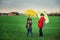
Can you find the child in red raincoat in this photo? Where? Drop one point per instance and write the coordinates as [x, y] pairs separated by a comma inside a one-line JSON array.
[[41, 24]]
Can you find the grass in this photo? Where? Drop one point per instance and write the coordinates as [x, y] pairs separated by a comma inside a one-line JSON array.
[[13, 28]]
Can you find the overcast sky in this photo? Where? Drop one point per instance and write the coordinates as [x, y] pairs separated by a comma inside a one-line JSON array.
[[18, 5]]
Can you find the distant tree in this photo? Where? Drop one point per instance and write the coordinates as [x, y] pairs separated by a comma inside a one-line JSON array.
[[0, 14], [15, 13]]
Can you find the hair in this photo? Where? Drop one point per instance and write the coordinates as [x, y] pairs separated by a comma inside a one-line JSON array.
[[42, 14], [29, 19]]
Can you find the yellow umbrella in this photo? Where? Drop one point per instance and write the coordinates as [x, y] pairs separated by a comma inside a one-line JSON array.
[[30, 12], [45, 15]]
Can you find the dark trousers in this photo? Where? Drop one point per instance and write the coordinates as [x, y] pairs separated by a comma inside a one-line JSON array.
[[40, 32], [29, 31]]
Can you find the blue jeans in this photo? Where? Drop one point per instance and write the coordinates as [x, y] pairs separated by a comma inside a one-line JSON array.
[[29, 31]]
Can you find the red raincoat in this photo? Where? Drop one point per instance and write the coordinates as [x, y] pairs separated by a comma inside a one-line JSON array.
[[41, 22]]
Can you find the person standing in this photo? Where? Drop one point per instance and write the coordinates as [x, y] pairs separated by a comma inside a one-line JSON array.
[[41, 22], [29, 26]]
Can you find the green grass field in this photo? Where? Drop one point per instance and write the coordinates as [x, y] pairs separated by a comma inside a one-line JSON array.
[[13, 28]]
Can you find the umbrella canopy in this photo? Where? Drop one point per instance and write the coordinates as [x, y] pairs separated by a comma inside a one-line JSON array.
[[45, 16], [30, 12]]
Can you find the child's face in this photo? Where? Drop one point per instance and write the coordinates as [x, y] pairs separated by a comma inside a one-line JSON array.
[[42, 16], [29, 21]]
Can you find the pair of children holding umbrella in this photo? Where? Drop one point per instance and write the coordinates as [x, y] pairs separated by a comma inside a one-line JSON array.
[[40, 25]]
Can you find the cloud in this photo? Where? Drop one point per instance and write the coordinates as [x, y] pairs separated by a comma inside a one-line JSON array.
[[29, 3], [35, 4]]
